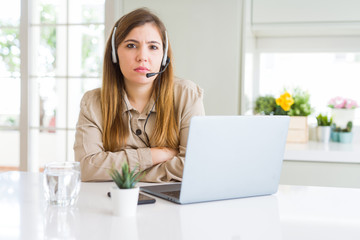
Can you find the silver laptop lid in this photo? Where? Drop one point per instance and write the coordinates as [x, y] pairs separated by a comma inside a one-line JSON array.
[[233, 156]]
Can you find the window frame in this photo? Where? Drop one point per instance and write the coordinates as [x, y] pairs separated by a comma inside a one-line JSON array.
[[113, 10], [293, 44]]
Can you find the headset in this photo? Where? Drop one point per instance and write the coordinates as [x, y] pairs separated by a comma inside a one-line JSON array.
[[164, 63]]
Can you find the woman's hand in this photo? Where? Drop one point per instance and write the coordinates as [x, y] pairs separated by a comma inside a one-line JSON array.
[[162, 154]]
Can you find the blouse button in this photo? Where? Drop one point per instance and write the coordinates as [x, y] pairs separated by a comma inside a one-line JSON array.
[[138, 132]]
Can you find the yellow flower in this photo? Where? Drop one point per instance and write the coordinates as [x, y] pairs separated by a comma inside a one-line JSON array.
[[285, 101]]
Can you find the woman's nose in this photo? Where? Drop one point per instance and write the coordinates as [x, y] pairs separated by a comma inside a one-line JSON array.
[[142, 55]]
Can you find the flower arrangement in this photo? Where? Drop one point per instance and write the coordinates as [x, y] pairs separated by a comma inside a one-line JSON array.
[[297, 104], [342, 103]]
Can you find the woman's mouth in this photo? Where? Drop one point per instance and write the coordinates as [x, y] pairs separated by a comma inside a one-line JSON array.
[[141, 69]]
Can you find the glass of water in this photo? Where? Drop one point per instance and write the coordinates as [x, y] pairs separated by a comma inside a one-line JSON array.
[[62, 183]]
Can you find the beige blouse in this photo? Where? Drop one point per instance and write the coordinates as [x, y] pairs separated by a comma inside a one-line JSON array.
[[95, 161]]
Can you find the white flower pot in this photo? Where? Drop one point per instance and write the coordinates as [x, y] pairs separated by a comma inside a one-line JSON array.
[[124, 201], [342, 116], [323, 133]]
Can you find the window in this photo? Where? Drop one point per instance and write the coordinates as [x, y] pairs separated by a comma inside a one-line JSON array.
[[324, 75], [65, 45], [9, 84], [326, 65]]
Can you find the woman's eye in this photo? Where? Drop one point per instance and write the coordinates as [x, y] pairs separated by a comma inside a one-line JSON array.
[[153, 47], [130, 45]]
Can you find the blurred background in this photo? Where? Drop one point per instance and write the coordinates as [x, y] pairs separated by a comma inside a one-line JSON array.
[[237, 50]]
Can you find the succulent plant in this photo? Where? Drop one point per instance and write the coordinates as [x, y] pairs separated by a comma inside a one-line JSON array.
[[348, 127], [126, 179], [323, 120]]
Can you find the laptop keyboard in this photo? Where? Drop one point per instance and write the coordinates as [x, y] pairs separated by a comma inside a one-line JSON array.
[[175, 194]]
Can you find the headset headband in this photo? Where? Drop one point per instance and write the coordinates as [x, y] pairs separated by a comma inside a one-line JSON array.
[[165, 50], [113, 52]]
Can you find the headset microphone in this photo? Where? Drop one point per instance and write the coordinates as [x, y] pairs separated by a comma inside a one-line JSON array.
[[148, 75]]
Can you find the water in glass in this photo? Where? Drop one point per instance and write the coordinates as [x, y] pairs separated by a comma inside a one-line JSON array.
[[62, 183]]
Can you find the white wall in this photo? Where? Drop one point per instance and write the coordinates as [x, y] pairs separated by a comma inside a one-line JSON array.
[[305, 11], [205, 36], [305, 18]]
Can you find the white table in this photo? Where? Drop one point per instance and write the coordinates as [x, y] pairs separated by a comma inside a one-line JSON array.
[[293, 213]]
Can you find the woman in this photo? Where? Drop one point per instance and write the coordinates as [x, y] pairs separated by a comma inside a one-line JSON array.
[[135, 117]]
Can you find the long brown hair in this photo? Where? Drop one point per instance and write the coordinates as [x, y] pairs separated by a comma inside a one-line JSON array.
[[115, 125]]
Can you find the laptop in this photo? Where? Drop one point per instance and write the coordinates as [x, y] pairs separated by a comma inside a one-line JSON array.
[[229, 157]]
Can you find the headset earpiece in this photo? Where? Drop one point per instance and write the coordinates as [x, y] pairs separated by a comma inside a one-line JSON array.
[[113, 48], [165, 57]]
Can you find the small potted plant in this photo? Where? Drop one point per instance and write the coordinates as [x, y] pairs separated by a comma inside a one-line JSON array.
[[125, 194], [345, 136], [324, 128], [297, 106], [342, 110], [335, 131], [265, 105]]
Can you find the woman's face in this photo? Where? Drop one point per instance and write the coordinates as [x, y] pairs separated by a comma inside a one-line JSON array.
[[141, 52]]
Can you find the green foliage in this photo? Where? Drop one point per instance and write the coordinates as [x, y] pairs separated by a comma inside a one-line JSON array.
[[125, 179], [280, 111], [265, 105], [323, 120], [301, 106]]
